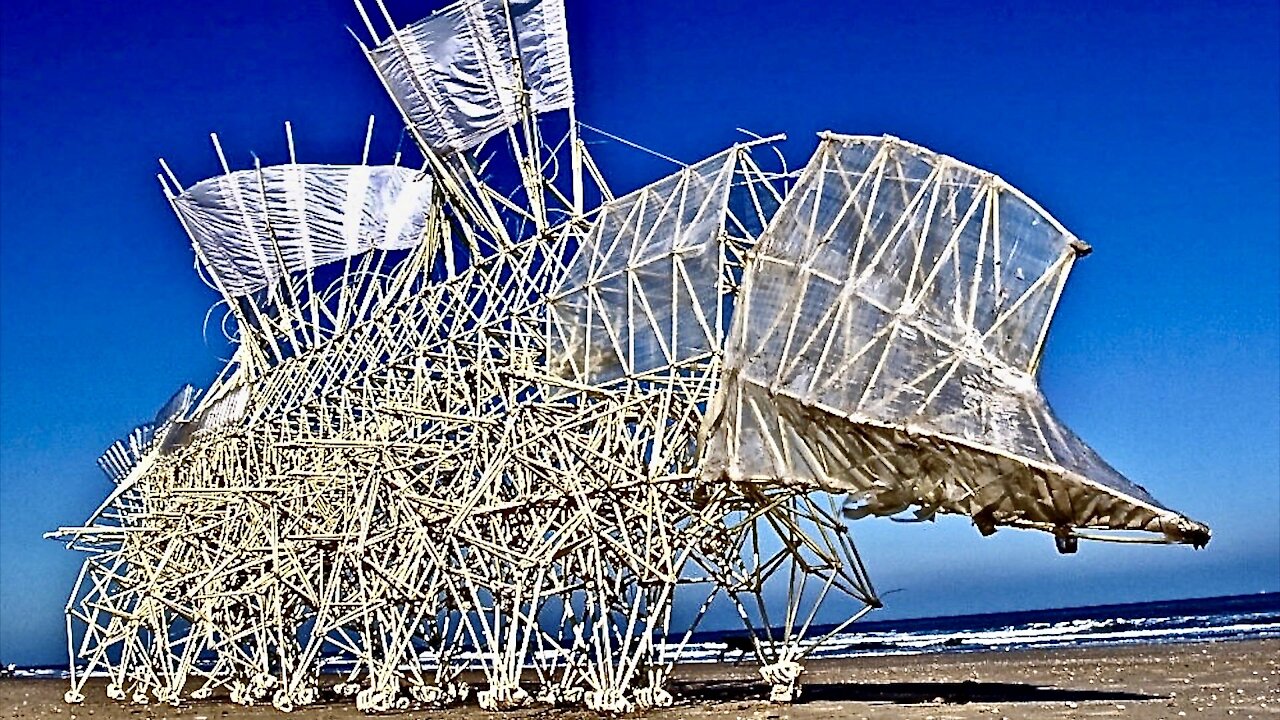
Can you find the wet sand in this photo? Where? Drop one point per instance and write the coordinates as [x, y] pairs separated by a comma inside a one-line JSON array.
[[1218, 680]]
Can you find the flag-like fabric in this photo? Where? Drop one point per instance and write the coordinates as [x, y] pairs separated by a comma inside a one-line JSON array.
[[253, 227], [462, 75]]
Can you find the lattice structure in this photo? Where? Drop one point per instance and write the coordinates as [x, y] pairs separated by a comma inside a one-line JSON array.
[[477, 426]]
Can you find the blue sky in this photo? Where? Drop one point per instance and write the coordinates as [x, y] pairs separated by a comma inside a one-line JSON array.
[[1151, 130]]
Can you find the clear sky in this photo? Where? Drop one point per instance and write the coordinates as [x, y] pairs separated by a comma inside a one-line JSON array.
[[1152, 130]]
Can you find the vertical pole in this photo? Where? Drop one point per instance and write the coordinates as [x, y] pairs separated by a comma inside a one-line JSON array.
[[364, 15], [368, 139], [312, 308], [531, 162], [257, 312], [575, 160], [286, 323]]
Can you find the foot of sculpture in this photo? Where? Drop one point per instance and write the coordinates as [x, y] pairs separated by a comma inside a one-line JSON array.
[[346, 689], [441, 695], [282, 701], [560, 695], [784, 680], [503, 697], [286, 702], [375, 700], [610, 701], [653, 698]]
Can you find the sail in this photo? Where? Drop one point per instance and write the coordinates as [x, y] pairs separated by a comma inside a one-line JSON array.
[[253, 227], [118, 460], [463, 75], [886, 346], [642, 292]]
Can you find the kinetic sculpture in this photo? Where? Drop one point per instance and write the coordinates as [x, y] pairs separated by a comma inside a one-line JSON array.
[[476, 426]]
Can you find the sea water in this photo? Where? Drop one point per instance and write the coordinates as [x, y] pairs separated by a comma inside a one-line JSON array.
[[1233, 617]]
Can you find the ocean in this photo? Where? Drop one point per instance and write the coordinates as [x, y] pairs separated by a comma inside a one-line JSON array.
[[1231, 617]]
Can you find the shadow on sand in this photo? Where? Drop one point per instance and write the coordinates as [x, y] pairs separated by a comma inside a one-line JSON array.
[[909, 693]]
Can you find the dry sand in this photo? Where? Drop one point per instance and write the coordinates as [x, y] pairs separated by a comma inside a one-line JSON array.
[[1229, 679]]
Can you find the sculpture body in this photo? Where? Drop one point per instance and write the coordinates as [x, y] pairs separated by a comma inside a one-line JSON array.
[[509, 429]]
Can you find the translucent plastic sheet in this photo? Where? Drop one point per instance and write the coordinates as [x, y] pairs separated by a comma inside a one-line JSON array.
[[886, 344], [642, 291], [252, 227], [126, 452], [459, 74]]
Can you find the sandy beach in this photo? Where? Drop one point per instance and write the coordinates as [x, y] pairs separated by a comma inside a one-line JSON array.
[[1219, 680]]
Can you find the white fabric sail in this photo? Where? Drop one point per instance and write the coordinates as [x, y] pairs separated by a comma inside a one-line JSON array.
[[459, 75], [251, 228], [886, 344]]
